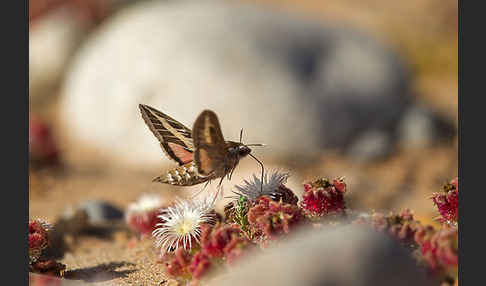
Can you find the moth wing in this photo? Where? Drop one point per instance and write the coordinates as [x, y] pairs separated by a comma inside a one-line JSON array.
[[210, 147], [175, 138]]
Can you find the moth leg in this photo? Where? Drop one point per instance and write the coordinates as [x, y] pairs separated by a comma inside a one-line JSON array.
[[220, 181], [206, 184], [230, 175], [219, 189], [202, 189], [158, 179], [210, 175], [231, 170]]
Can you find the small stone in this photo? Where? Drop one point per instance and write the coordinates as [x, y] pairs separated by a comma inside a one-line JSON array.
[[420, 127], [100, 212]]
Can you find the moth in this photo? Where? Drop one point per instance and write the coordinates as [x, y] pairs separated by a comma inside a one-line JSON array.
[[202, 153]]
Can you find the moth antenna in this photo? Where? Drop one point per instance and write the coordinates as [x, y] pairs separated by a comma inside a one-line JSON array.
[[263, 169], [257, 144], [241, 134]]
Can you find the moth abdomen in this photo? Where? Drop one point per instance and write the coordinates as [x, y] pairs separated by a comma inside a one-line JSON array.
[[185, 175]]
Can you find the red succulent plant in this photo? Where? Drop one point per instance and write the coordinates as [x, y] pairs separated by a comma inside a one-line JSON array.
[[178, 263], [439, 248], [142, 215], [322, 197], [269, 218], [224, 241], [38, 239], [447, 202], [400, 226], [200, 264]]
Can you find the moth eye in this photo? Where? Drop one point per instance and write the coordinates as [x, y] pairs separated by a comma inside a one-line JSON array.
[[243, 151]]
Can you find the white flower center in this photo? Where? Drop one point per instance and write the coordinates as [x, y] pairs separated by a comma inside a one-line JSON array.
[[185, 227]]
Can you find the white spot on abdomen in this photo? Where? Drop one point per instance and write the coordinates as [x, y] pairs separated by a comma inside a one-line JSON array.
[[169, 178]]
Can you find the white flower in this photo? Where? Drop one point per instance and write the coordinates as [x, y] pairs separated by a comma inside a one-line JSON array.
[[182, 222], [146, 203], [254, 189]]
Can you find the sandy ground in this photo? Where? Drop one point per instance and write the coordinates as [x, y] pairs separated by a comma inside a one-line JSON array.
[[406, 179]]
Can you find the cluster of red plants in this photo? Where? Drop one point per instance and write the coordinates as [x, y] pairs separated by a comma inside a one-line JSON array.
[[253, 224], [269, 219], [322, 198], [401, 226], [38, 242], [248, 225]]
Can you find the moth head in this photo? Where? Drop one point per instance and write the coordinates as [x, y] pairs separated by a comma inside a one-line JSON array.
[[238, 149], [243, 150]]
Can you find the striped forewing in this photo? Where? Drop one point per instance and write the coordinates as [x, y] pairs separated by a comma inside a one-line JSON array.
[[175, 138]]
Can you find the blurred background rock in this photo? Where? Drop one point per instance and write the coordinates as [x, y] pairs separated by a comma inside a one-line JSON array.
[[366, 90], [364, 258]]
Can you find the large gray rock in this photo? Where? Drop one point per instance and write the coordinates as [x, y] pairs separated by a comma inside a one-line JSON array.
[[349, 255], [299, 86]]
